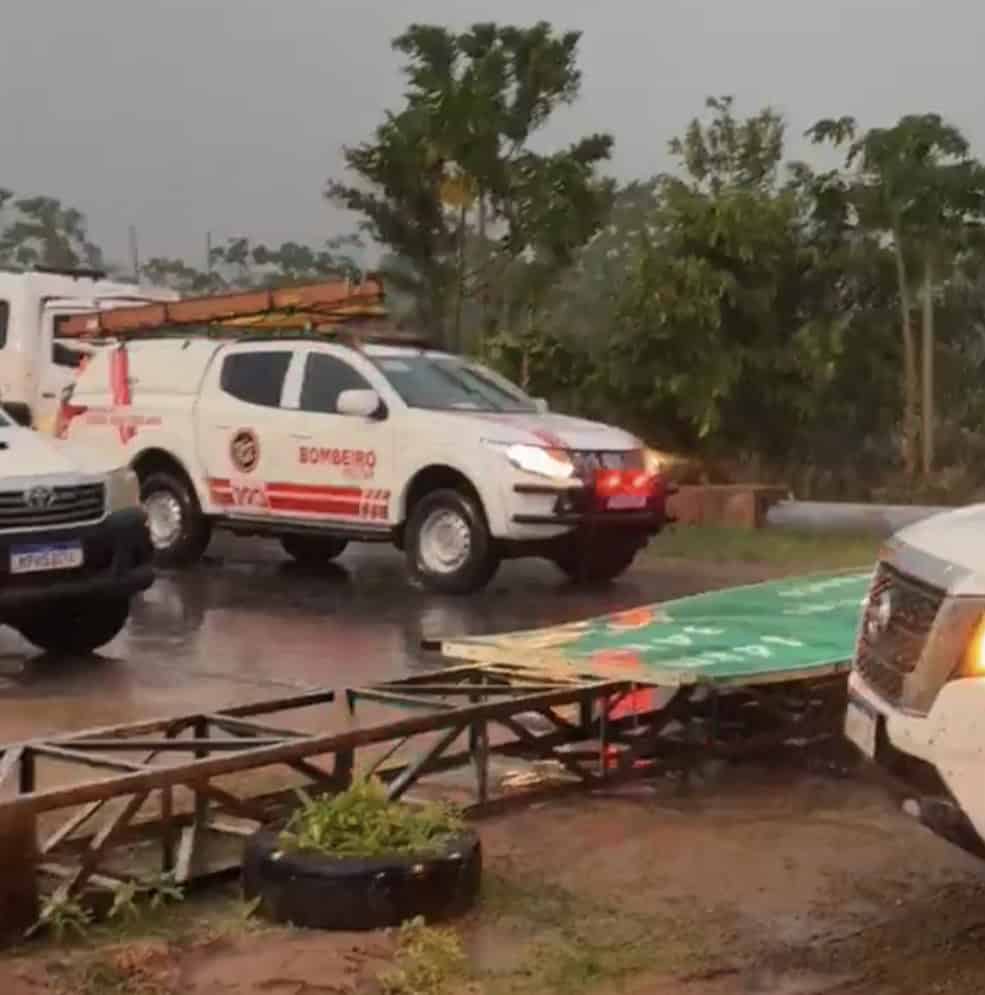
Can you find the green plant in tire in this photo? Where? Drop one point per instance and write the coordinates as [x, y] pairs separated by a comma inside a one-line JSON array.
[[363, 822]]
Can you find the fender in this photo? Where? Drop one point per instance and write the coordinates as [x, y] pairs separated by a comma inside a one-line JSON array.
[[167, 446], [490, 496]]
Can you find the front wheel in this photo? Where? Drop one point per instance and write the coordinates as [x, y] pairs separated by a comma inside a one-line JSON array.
[[597, 562], [78, 628], [448, 545], [179, 532], [312, 550]]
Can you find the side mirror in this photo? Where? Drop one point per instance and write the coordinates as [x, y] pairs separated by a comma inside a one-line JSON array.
[[541, 404], [358, 403]]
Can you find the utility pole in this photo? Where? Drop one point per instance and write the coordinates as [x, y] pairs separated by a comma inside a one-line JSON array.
[[134, 253]]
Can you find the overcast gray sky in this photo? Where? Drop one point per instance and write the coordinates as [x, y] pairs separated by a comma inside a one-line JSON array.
[[183, 116]]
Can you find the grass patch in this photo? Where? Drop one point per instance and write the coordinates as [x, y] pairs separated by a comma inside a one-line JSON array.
[[580, 943], [429, 961], [363, 822], [767, 547]]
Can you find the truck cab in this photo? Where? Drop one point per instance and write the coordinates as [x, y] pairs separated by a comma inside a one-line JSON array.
[[36, 365]]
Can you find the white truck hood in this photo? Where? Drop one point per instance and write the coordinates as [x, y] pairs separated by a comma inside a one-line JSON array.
[[27, 454], [947, 550], [559, 431]]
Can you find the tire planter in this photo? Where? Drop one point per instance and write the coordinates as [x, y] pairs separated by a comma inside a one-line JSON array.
[[315, 891]]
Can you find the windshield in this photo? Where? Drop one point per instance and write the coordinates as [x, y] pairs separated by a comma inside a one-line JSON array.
[[447, 383], [5, 422]]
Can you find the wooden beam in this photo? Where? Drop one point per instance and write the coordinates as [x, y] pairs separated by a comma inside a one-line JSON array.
[[100, 843], [339, 743], [209, 744], [85, 759], [420, 766], [547, 753], [10, 764]]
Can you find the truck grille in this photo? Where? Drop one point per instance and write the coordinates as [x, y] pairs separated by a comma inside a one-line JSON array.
[[899, 614], [34, 508], [589, 462]]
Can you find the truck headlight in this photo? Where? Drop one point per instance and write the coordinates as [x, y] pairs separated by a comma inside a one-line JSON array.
[[539, 460], [122, 489]]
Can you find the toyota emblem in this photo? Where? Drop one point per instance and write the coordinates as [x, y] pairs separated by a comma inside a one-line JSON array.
[[39, 498]]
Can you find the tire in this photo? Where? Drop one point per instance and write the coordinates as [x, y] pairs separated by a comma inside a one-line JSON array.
[[315, 891], [77, 628], [450, 570], [163, 493], [597, 562], [313, 550]]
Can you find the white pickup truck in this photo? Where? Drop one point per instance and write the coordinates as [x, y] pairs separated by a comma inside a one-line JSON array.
[[320, 443], [74, 545], [917, 689]]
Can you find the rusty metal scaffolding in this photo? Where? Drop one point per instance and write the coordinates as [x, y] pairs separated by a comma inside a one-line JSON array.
[[179, 794]]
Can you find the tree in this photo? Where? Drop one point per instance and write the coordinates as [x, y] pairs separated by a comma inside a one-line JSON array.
[[449, 184], [45, 233], [240, 264], [722, 333], [916, 185]]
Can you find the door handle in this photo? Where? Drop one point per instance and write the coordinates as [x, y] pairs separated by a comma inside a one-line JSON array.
[[48, 394], [301, 436], [222, 428]]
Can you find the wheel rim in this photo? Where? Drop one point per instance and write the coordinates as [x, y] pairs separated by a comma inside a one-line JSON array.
[[445, 541], [164, 518]]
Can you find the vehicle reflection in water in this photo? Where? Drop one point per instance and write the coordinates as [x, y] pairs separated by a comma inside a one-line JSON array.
[[249, 625]]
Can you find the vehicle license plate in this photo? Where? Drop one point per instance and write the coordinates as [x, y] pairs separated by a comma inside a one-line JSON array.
[[860, 728], [626, 502], [47, 556]]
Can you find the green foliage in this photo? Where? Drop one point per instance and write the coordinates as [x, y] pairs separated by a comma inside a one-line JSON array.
[[241, 264], [163, 890], [43, 232], [451, 187], [363, 822], [429, 961], [124, 905], [65, 916]]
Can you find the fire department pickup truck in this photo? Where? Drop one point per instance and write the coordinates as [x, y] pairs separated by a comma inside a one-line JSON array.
[[73, 542], [321, 443], [917, 688]]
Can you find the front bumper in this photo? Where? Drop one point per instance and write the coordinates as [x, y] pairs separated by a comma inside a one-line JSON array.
[[573, 507], [934, 760], [117, 562]]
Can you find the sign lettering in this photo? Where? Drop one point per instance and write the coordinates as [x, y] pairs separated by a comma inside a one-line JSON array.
[[359, 463]]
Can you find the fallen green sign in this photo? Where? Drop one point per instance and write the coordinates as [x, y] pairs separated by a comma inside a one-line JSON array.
[[755, 634]]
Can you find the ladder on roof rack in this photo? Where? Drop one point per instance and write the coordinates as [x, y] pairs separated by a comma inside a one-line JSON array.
[[315, 307]]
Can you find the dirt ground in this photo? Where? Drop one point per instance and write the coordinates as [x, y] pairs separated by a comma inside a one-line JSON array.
[[775, 879], [763, 880]]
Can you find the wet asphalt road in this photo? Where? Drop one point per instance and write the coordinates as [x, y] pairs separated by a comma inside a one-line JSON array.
[[248, 625]]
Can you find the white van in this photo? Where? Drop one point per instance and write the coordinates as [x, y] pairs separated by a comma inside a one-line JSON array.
[[35, 366]]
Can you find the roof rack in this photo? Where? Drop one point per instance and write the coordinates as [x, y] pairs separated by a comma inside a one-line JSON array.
[[79, 272], [316, 307]]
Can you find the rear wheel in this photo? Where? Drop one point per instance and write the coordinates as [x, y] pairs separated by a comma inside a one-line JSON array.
[[312, 550], [77, 628], [448, 545], [598, 561], [179, 532]]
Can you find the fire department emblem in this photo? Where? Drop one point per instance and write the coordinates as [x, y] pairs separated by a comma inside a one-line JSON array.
[[244, 450]]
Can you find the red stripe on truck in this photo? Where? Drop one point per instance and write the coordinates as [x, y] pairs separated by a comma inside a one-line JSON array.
[[352, 502]]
